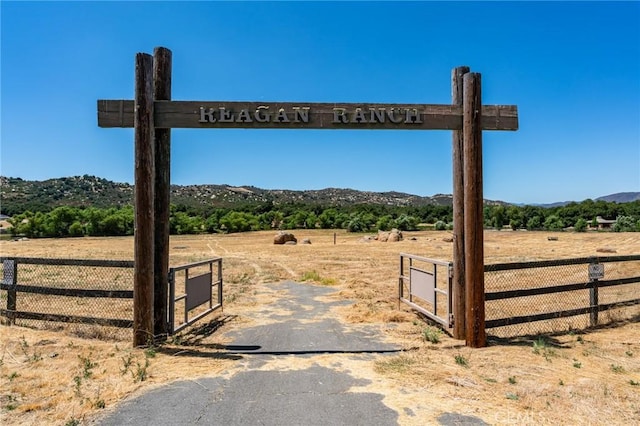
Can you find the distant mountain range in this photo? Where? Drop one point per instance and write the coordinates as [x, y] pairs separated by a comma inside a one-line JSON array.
[[620, 197], [17, 195]]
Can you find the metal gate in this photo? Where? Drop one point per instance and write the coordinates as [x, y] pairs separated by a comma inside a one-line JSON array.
[[425, 285], [199, 288]]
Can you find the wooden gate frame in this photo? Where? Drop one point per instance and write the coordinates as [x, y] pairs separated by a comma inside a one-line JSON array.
[[152, 114]]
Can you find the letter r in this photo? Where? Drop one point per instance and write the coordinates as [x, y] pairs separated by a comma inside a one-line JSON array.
[[339, 115], [206, 116]]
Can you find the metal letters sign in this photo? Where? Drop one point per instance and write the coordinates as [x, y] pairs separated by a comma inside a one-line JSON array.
[[289, 115], [596, 271]]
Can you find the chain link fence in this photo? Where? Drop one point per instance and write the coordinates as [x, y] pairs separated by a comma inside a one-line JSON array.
[[89, 298], [555, 296]]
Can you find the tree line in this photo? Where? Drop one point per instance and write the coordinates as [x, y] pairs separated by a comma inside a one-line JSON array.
[[579, 216], [68, 221]]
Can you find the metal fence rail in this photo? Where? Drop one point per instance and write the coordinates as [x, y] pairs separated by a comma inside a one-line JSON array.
[[86, 294], [425, 285], [560, 295]]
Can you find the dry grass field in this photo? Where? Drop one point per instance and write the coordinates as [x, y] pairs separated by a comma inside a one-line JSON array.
[[59, 377]]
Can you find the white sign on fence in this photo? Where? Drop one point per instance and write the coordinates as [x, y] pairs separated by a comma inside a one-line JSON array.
[[423, 284], [596, 271]]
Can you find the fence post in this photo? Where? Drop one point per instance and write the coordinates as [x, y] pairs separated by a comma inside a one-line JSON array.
[[400, 281], [186, 300], [593, 300], [172, 301], [458, 211], [220, 280], [10, 277]]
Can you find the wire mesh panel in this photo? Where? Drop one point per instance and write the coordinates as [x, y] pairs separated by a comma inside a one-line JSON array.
[[558, 296], [92, 298]]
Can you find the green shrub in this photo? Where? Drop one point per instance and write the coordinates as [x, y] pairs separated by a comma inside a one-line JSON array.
[[625, 224], [581, 225], [553, 223], [76, 229]]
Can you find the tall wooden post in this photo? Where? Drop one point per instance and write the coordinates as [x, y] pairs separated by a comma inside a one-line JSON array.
[[144, 203], [459, 311], [162, 92], [473, 206]]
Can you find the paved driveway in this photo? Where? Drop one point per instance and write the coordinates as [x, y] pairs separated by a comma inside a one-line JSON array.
[[280, 379], [297, 365]]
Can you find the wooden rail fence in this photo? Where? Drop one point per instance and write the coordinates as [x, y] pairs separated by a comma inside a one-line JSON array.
[[65, 287], [590, 304]]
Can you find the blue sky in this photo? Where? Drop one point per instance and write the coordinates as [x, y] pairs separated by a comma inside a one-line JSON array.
[[573, 70]]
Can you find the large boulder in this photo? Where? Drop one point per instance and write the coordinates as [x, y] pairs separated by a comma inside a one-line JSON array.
[[284, 237], [392, 236], [395, 236]]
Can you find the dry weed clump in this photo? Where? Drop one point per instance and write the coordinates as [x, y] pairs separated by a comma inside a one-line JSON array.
[[61, 378], [55, 378]]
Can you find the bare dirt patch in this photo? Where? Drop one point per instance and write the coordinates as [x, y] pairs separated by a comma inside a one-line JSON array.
[[56, 377]]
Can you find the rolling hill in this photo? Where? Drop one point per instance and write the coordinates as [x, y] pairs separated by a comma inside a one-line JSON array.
[[18, 195]]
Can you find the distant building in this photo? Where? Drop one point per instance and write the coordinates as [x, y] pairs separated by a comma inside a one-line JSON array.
[[604, 223]]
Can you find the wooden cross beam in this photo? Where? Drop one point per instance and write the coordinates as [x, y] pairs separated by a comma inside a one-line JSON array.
[[290, 115]]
